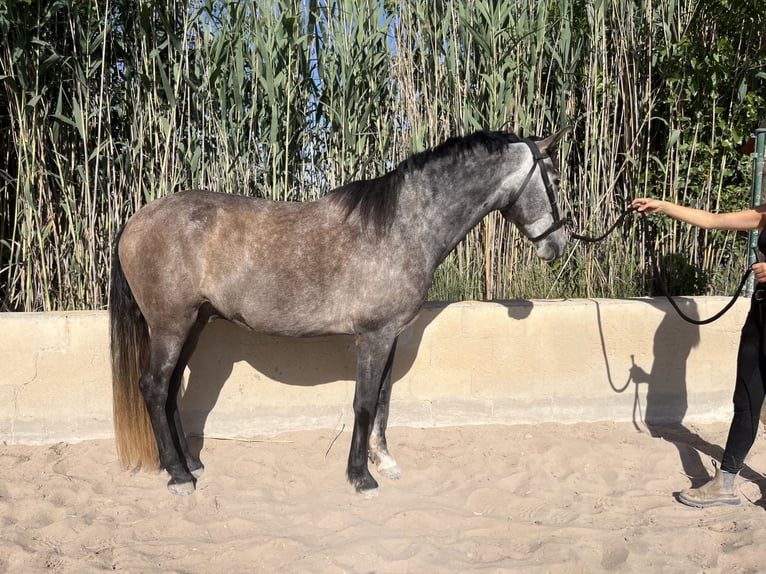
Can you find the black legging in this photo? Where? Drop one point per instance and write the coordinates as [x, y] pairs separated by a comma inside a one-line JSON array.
[[748, 391]]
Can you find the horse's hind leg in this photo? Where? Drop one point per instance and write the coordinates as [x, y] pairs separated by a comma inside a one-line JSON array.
[[164, 353], [378, 448], [193, 462]]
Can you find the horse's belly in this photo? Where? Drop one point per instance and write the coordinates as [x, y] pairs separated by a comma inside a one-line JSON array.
[[294, 319], [297, 299], [334, 315], [293, 328]]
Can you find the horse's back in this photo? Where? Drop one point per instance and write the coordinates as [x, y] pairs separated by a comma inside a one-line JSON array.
[[216, 222], [196, 233]]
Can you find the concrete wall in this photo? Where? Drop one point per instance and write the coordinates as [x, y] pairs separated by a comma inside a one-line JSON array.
[[462, 363]]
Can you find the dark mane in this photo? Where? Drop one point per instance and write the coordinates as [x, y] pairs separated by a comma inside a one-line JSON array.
[[454, 147], [376, 199]]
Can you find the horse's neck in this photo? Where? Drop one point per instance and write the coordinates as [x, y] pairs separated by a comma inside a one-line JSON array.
[[443, 209]]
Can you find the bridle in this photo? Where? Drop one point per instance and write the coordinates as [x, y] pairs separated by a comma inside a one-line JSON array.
[[559, 222], [539, 157]]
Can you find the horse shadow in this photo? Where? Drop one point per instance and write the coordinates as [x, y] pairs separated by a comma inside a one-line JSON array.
[[298, 362], [667, 400], [294, 361]]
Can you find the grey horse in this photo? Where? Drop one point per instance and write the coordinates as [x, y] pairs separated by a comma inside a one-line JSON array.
[[359, 260]]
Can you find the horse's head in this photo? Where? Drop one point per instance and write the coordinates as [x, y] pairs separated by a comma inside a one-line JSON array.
[[533, 192]]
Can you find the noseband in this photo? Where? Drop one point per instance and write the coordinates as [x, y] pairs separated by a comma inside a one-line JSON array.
[[558, 221]]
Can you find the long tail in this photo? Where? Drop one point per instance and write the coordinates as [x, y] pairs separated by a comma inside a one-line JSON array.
[[129, 338]]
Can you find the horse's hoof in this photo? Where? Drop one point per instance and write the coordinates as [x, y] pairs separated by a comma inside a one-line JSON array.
[[390, 471], [197, 472], [364, 484], [181, 488]]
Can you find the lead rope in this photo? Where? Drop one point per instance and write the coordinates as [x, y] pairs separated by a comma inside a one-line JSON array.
[[589, 239], [648, 232]]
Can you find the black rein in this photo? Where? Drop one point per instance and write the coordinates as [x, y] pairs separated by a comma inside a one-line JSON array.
[[655, 266]]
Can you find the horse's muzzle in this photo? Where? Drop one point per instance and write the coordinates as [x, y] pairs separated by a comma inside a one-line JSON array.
[[552, 247]]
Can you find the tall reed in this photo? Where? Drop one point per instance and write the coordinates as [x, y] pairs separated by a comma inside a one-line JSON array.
[[107, 105]]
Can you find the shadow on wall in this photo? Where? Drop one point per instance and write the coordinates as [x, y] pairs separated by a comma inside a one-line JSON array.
[[667, 393], [667, 396], [302, 362]]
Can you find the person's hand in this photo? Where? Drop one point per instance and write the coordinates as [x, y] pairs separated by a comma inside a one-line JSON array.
[[647, 205], [759, 271], [638, 375]]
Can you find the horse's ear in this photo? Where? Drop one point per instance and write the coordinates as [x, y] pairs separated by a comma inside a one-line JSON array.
[[550, 144]]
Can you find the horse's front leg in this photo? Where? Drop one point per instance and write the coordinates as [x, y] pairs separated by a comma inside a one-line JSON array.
[[378, 448], [373, 353]]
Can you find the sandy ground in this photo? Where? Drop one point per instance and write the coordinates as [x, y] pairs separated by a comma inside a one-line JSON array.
[[544, 498]]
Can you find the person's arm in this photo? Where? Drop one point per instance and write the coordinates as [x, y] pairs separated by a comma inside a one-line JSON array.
[[735, 221]]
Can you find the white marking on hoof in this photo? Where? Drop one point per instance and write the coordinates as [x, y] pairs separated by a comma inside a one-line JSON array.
[[183, 489], [197, 472], [390, 469], [387, 465]]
